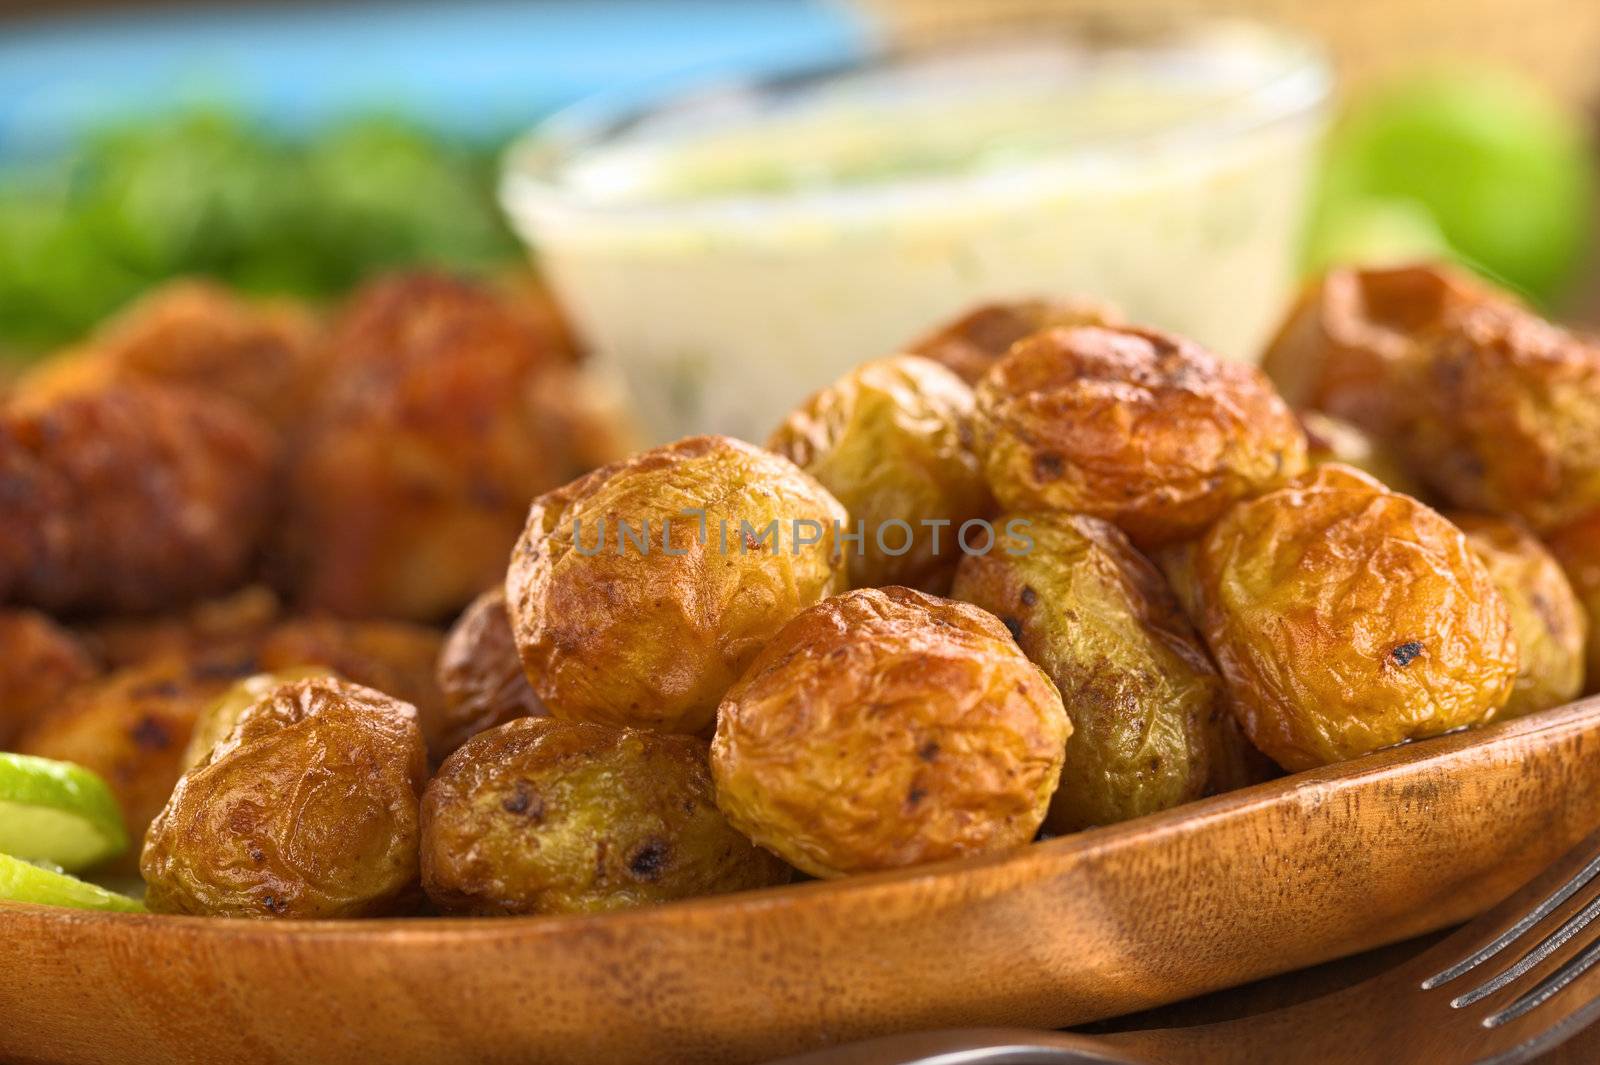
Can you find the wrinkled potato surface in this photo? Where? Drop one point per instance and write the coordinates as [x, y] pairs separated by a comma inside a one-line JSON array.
[[1144, 699], [969, 345], [1550, 624], [393, 657], [480, 676], [1145, 430], [1346, 618], [892, 440], [884, 728], [307, 808], [130, 498], [542, 816], [650, 632]]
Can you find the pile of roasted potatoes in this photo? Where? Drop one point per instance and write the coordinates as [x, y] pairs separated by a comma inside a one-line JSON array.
[[1045, 570]]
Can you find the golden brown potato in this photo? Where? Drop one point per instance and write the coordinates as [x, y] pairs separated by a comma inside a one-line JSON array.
[[1353, 335], [1507, 417], [1098, 618], [542, 816], [480, 675], [1148, 431], [885, 728], [411, 477], [39, 663], [199, 334], [307, 808], [1330, 439], [217, 719], [132, 498], [394, 657], [1346, 618], [1576, 546], [640, 592], [1550, 626], [892, 440], [972, 343], [131, 727]]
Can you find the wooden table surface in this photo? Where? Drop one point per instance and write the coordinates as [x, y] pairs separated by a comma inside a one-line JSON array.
[[1279, 991]]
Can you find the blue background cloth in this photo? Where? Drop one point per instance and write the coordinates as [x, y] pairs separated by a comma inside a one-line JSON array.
[[478, 67]]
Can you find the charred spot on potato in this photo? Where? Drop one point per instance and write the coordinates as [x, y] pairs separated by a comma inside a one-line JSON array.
[[1048, 466], [1029, 596], [1406, 652], [650, 860]]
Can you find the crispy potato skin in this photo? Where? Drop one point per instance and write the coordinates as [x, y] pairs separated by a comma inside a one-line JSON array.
[[1550, 624], [40, 663], [132, 727], [308, 808], [394, 657], [132, 498], [410, 478], [1507, 417], [1576, 546], [893, 441], [1098, 618], [885, 728], [479, 673], [1345, 618], [969, 345], [1353, 334], [1330, 439], [218, 718], [1493, 408], [618, 634], [1145, 430], [542, 816]]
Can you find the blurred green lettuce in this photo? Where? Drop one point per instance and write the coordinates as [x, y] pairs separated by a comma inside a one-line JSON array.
[[210, 192]]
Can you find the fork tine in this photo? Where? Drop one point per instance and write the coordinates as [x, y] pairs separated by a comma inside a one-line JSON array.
[[1546, 947], [1548, 905], [1560, 1026]]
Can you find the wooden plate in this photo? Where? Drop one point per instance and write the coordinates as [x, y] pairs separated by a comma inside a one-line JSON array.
[[1220, 892]]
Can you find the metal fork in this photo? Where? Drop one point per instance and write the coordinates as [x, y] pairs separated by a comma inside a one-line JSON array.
[[1514, 983]]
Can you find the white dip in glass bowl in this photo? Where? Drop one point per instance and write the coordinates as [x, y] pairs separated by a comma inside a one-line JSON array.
[[726, 252]]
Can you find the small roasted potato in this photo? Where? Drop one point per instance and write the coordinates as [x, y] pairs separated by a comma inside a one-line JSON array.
[[640, 592], [1550, 625], [1330, 439], [972, 343], [410, 476], [1098, 618], [219, 716], [131, 727], [1346, 617], [307, 808], [543, 816], [1351, 339], [1148, 431], [892, 440], [131, 498], [1506, 417], [39, 663], [1576, 546], [884, 728], [394, 657], [480, 676]]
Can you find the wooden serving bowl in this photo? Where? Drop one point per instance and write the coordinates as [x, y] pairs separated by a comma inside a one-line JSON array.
[[1216, 893]]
